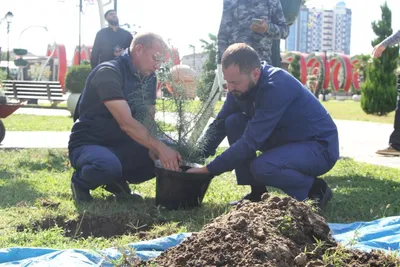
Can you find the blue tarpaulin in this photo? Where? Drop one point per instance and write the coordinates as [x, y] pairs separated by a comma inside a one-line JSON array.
[[383, 234]]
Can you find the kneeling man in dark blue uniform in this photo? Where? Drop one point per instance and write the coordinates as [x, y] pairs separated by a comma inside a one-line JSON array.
[[269, 110], [109, 144]]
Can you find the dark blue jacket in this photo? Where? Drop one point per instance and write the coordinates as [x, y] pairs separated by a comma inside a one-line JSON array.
[[95, 124], [281, 111]]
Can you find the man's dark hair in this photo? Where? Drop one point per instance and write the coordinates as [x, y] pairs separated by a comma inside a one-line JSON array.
[[147, 40], [108, 11], [242, 55]]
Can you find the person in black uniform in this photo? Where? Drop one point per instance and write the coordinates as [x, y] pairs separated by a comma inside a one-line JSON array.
[[110, 42]]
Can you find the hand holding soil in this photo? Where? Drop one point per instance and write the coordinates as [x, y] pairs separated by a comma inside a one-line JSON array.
[[169, 158], [198, 170]]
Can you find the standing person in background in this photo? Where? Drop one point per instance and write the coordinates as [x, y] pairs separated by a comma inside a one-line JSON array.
[[254, 22], [110, 42], [394, 140]]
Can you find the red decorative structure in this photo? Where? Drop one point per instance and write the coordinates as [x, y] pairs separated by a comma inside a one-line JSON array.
[[175, 61], [338, 62], [175, 56], [85, 54], [60, 62], [331, 67], [356, 68], [318, 63], [303, 64]]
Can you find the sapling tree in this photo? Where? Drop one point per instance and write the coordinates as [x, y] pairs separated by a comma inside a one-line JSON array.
[[180, 110]]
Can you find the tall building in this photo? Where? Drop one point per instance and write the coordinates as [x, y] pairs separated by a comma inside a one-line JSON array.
[[321, 30], [297, 39], [342, 28]]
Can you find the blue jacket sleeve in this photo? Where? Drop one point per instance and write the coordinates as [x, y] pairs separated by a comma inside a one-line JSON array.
[[274, 100], [216, 131]]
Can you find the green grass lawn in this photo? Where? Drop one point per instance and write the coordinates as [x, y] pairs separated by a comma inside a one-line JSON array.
[[21, 122], [37, 211], [351, 110], [342, 110]]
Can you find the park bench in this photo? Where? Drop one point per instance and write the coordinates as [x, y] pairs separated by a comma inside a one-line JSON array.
[[34, 90]]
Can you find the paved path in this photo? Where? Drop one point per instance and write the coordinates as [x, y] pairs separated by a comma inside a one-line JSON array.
[[358, 140]]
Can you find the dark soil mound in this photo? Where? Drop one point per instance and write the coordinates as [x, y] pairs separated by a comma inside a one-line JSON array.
[[274, 232]]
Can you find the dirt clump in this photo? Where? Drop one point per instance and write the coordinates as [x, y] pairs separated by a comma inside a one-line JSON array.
[[274, 232]]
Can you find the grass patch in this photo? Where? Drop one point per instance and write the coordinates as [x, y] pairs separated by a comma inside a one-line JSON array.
[[343, 110], [37, 209], [22, 122], [340, 110], [351, 110], [193, 106]]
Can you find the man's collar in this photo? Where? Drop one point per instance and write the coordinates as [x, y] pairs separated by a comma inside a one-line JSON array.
[[127, 59], [260, 79]]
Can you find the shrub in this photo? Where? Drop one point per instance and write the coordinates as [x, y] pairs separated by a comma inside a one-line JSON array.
[[76, 78]]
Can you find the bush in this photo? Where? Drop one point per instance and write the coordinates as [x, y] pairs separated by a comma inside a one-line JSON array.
[[76, 78], [204, 84], [294, 67], [379, 90]]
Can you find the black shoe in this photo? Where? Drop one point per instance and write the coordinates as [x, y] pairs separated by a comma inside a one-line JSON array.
[[122, 191], [253, 196], [320, 193], [80, 194]]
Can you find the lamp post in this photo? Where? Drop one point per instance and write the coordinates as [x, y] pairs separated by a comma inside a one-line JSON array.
[[325, 68], [80, 32], [8, 17]]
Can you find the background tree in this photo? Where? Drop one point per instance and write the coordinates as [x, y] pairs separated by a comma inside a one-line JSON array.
[[207, 77], [294, 67], [362, 64], [379, 91]]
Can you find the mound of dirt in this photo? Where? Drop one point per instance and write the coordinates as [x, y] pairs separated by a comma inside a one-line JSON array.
[[273, 232]]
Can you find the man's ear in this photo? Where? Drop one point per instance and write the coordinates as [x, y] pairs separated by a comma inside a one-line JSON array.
[[255, 74], [138, 49]]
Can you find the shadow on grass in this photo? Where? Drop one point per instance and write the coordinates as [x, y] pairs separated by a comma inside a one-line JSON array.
[[53, 161], [105, 217], [362, 198], [5, 174], [18, 192]]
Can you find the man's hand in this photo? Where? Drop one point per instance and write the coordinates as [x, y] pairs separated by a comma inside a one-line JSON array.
[[378, 50], [153, 155], [260, 28], [203, 170], [169, 158]]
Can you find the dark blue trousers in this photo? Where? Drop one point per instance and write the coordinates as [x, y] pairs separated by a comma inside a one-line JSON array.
[[100, 165], [394, 140], [291, 167]]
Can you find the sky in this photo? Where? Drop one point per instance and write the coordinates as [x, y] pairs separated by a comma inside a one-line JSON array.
[[182, 22]]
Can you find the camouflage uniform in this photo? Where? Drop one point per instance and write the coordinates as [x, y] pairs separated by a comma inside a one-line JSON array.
[[236, 21], [392, 40]]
